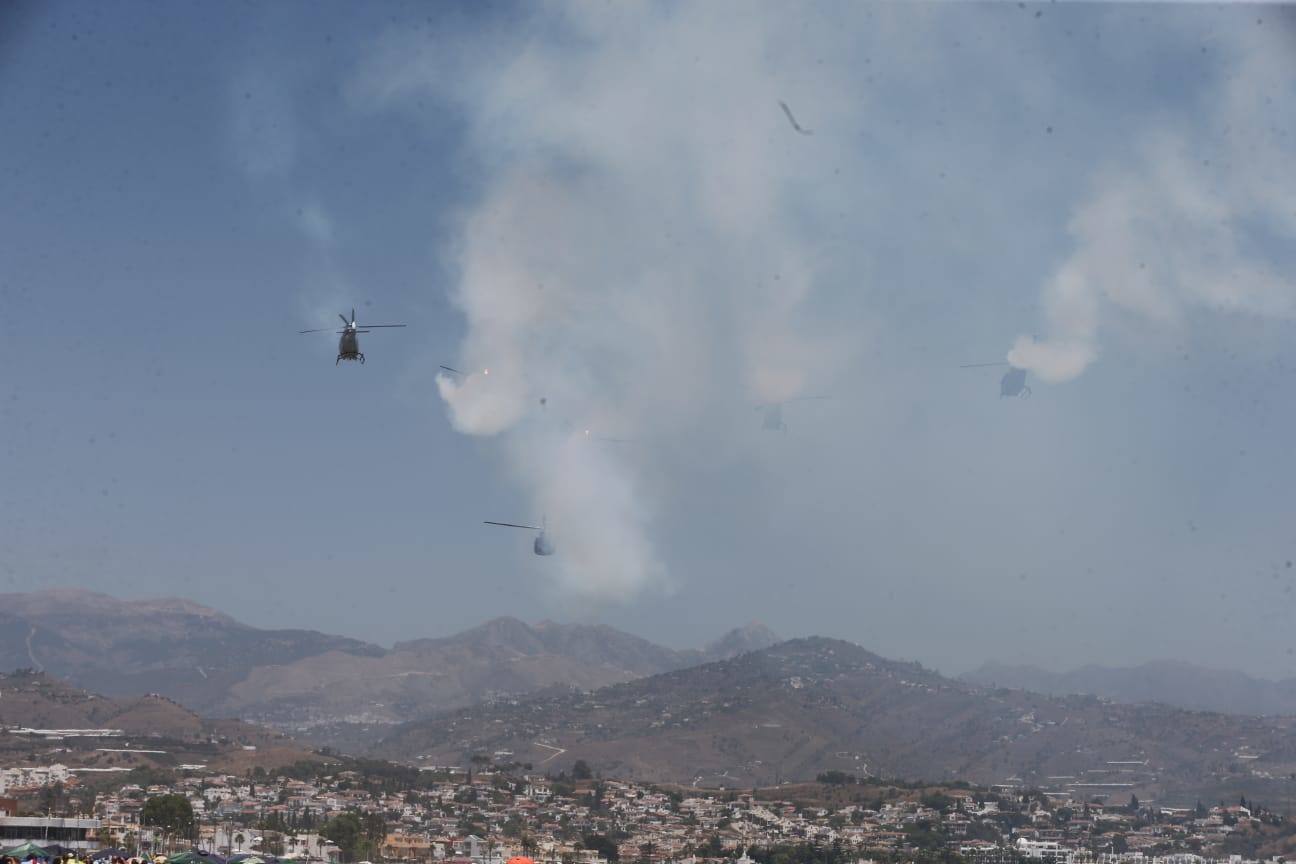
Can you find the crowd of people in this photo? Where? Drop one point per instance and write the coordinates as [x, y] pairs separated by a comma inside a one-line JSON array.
[[31, 854], [71, 856]]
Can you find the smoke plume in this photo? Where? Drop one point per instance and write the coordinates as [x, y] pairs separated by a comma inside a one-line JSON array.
[[1181, 223], [629, 261]]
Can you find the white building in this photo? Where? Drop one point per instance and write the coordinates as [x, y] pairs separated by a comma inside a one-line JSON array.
[[43, 830], [27, 778]]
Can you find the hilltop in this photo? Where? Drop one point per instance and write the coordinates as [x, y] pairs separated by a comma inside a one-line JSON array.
[[129, 647], [1171, 682], [803, 707], [38, 714], [342, 699], [329, 689]]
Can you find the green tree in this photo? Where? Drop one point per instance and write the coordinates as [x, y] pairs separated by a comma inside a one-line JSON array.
[[602, 845], [926, 836], [374, 833], [835, 778], [273, 822], [171, 813], [272, 843], [346, 831], [466, 826], [938, 801], [50, 797], [712, 847]]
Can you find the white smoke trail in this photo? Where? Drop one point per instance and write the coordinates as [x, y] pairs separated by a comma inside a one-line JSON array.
[[647, 242], [1180, 225], [630, 261]]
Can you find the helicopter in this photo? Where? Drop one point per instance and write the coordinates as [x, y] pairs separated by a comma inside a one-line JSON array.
[[453, 371], [542, 545], [772, 419], [349, 345], [1013, 382]]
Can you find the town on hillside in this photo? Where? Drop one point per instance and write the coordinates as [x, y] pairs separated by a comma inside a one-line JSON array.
[[339, 811]]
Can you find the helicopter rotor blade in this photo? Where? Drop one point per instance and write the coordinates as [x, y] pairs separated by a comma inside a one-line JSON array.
[[379, 325], [352, 316], [345, 323], [511, 525], [318, 330], [980, 365]]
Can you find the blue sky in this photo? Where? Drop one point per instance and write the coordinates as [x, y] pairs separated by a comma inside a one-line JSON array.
[[606, 206]]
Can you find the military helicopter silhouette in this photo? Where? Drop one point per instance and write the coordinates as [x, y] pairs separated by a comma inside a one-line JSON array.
[[1013, 382], [461, 375], [349, 345], [542, 544], [772, 419]]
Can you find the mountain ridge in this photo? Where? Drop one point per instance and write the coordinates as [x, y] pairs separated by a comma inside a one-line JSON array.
[[805, 706], [503, 657], [175, 735], [74, 601], [329, 689], [1171, 682]]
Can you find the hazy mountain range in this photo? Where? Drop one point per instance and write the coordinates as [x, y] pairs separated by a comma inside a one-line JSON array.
[[326, 688], [156, 732], [170, 646], [805, 706], [1171, 682], [745, 710]]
